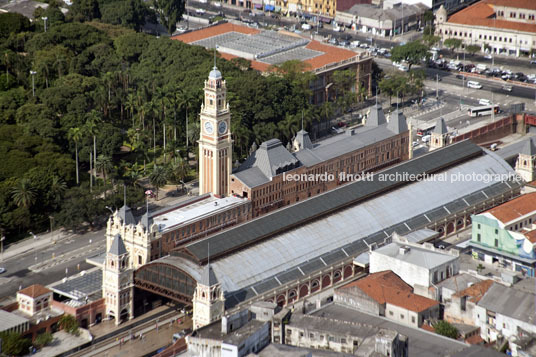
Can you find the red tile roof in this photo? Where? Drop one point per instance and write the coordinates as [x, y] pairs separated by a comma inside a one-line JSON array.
[[522, 4], [428, 328], [474, 340], [476, 291], [213, 31], [331, 54], [515, 208], [531, 236], [343, 5], [481, 14], [34, 291], [387, 287]]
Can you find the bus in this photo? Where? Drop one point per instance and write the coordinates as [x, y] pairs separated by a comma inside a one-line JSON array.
[[425, 129], [484, 110]]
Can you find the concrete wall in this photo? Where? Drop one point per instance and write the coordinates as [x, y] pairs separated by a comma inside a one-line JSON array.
[[254, 343], [357, 299], [459, 310], [204, 347]]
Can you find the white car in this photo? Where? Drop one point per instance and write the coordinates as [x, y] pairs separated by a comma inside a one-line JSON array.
[[199, 11], [484, 101], [306, 27], [403, 68], [2, 270], [216, 3], [488, 56]]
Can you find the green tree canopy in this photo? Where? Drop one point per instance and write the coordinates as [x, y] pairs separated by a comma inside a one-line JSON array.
[[412, 52], [444, 328], [12, 22], [170, 12], [453, 43], [13, 344], [472, 49]]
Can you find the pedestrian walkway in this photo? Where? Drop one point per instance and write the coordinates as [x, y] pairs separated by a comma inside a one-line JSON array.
[[35, 242]]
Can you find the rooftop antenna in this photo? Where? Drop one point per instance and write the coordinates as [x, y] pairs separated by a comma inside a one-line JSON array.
[[124, 195]]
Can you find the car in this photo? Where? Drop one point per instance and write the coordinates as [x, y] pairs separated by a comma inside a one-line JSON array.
[[507, 88], [488, 56], [533, 61], [333, 41], [474, 84], [199, 11], [2, 270], [403, 68], [484, 102], [217, 4], [460, 76], [306, 27], [415, 143]]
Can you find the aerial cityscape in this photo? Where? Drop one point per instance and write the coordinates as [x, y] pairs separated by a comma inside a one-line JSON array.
[[268, 178]]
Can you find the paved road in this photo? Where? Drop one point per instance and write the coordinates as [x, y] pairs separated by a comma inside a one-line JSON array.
[[50, 263]]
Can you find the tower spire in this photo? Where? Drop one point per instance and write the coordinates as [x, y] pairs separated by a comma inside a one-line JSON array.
[[215, 57]]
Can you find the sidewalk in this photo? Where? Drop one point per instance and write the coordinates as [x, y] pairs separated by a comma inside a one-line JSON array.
[[29, 244]]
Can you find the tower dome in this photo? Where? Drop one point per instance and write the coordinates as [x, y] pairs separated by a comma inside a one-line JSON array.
[[215, 73]]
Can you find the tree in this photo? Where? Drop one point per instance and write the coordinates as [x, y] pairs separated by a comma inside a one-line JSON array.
[[75, 134], [128, 13], [105, 165], [444, 328], [11, 22], [430, 40], [24, 194], [69, 324], [453, 43], [428, 17], [43, 339], [412, 52], [14, 344], [170, 12], [86, 10], [158, 177], [472, 49]]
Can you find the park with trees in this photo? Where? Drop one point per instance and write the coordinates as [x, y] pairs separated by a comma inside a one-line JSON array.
[[93, 105]]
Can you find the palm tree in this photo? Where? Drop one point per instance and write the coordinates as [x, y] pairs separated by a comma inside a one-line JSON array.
[[56, 189], [105, 165], [93, 119], [75, 134], [23, 193], [180, 169], [130, 105], [158, 177]]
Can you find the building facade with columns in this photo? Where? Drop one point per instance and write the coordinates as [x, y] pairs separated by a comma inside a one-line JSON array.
[[505, 27]]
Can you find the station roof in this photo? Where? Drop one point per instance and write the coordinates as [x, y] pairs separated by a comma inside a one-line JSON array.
[[301, 212], [10, 320], [322, 230], [415, 255], [80, 286]]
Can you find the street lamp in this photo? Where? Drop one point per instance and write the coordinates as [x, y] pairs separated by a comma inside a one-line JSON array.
[[109, 208], [2, 245], [33, 73], [45, 20], [35, 249]]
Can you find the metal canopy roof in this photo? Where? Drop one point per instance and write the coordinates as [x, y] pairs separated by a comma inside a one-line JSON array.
[[286, 218]]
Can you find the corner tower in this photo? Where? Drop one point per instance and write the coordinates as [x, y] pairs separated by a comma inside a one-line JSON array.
[[215, 144]]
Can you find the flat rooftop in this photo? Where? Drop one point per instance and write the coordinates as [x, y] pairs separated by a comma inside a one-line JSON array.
[[10, 320], [419, 256], [421, 343], [80, 286], [186, 214], [238, 336], [267, 48]]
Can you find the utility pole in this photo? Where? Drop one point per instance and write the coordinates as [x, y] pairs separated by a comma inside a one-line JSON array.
[[45, 19], [437, 87], [33, 73]]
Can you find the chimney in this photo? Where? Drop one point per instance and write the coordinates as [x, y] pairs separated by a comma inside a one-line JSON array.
[[404, 250]]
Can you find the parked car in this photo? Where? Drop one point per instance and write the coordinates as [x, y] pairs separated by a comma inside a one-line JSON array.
[[306, 27], [488, 56], [2, 270], [484, 102], [474, 84], [507, 88], [533, 61]]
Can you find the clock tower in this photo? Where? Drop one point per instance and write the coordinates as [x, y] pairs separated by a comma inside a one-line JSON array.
[[215, 144]]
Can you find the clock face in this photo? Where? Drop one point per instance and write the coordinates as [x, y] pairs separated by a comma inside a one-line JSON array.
[[222, 127], [209, 129]]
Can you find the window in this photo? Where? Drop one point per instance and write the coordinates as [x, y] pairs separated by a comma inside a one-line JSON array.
[[496, 242], [496, 231], [402, 316], [479, 226], [390, 313], [478, 237], [289, 332], [412, 319], [311, 335], [343, 340]]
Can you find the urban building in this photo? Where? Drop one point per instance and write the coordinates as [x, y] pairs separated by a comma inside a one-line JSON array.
[[272, 177], [434, 5], [506, 235], [385, 294], [460, 306], [420, 266], [497, 26], [13, 323], [455, 284], [265, 49], [440, 135], [386, 21], [505, 312], [33, 299]]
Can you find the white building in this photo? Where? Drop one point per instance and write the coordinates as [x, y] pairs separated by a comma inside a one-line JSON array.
[[505, 311], [420, 266], [497, 26]]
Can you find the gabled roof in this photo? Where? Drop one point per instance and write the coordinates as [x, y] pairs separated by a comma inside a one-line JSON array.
[[531, 235], [34, 291], [208, 278], [441, 127], [387, 287], [376, 116], [516, 208], [272, 158], [528, 148], [125, 213], [397, 122], [117, 247], [510, 302], [146, 220], [476, 291]]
